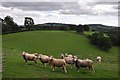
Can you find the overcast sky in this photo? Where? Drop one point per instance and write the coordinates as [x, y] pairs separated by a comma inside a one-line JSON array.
[[67, 11]]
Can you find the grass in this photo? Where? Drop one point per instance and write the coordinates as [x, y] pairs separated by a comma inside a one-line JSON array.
[[54, 43]]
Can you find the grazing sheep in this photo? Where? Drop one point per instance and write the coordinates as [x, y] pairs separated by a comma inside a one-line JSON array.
[[87, 63], [98, 59], [29, 57], [69, 59], [62, 56], [58, 63], [44, 59], [68, 55]]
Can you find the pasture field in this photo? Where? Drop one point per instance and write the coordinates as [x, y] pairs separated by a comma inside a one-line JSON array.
[[54, 43]]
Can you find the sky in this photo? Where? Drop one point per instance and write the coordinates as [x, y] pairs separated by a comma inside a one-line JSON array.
[[62, 11]]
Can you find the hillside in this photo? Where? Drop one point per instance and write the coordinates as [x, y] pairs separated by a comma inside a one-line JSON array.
[[54, 43], [101, 27]]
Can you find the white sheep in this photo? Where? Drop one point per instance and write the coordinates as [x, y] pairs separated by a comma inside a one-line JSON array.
[[29, 57], [98, 59], [58, 63], [69, 59], [68, 55], [44, 59], [87, 63]]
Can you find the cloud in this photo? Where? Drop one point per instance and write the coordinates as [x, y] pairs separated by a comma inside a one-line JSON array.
[[75, 8], [38, 6], [82, 11]]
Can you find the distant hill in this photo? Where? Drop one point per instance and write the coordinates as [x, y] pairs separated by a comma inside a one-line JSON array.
[[99, 27]]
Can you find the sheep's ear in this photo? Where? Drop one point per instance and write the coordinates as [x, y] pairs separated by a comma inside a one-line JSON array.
[[75, 59], [39, 56]]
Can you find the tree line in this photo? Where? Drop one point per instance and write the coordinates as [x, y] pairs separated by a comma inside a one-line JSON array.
[[104, 40], [9, 26]]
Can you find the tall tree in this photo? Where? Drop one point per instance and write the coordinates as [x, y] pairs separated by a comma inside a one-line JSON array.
[[11, 25], [29, 23], [80, 29], [86, 27]]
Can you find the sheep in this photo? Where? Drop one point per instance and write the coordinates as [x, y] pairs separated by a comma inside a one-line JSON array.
[[69, 59], [44, 59], [87, 63], [30, 57], [62, 56], [58, 63], [98, 59], [68, 55]]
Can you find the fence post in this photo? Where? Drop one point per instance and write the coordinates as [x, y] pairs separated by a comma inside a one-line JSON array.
[[0, 62], [3, 60]]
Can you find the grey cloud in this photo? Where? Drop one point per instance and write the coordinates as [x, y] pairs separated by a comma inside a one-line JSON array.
[[116, 7], [63, 7], [73, 7], [41, 6], [106, 0]]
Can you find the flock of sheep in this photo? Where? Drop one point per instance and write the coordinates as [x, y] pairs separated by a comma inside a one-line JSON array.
[[61, 62]]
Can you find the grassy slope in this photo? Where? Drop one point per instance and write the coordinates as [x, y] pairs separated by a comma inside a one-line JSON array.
[[53, 43]]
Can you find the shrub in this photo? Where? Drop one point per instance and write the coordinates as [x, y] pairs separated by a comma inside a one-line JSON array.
[[102, 41], [80, 29]]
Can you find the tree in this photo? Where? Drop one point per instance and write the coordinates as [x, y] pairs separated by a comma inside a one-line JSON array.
[[72, 26], [114, 39], [10, 24], [86, 28], [94, 38], [80, 29], [29, 23], [101, 40], [104, 43]]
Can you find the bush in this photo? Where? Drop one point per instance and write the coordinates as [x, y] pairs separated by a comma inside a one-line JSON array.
[[102, 41], [114, 39], [80, 29], [86, 28]]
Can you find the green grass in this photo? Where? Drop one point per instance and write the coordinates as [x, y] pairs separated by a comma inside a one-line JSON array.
[[54, 43]]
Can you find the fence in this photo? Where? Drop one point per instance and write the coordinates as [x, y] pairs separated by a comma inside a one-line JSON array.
[[2, 61]]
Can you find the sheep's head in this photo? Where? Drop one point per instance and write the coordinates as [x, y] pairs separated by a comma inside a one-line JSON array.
[[66, 54], [75, 59], [23, 52], [35, 54], [62, 56], [39, 56], [98, 57], [51, 58]]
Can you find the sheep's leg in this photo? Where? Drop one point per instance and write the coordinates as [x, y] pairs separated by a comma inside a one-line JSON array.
[[64, 68], [93, 69], [35, 61], [43, 64], [26, 61], [78, 69], [71, 66], [50, 65], [53, 68], [89, 67]]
